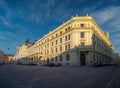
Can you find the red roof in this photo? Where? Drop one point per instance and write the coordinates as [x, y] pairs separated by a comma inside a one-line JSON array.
[[9, 54]]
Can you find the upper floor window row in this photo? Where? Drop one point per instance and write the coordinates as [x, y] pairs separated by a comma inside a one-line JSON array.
[[67, 29], [67, 37]]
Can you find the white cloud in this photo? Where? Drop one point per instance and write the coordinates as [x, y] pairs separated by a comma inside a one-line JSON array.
[[109, 19], [41, 12], [106, 14], [7, 35], [5, 21]]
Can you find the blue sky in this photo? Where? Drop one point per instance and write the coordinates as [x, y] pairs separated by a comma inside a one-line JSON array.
[[22, 19]]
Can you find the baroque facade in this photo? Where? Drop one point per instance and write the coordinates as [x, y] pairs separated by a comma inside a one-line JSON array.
[[79, 41]]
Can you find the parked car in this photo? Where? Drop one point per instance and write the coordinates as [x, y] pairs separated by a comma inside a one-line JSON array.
[[57, 64], [51, 64], [96, 65], [32, 63]]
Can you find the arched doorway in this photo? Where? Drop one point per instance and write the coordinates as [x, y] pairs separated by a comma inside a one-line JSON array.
[[82, 59]]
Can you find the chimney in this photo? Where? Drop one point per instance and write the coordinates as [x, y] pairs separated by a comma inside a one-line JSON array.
[[107, 34]]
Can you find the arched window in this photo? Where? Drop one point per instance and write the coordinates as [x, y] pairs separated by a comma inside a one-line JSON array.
[[60, 57], [67, 57]]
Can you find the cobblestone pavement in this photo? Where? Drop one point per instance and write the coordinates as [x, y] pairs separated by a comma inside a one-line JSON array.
[[17, 76]]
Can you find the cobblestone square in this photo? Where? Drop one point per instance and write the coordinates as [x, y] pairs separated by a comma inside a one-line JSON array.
[[18, 76]]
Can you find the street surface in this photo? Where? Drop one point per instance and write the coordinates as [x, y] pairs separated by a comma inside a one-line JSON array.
[[18, 76]]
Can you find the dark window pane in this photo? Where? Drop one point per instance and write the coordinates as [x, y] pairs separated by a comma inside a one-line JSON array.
[[67, 57], [82, 34], [81, 25], [60, 57]]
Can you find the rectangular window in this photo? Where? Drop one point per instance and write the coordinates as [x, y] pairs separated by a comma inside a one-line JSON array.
[[45, 52], [82, 43], [69, 28], [82, 35], [56, 59], [65, 29], [60, 57], [52, 43], [60, 48], [56, 35], [56, 42], [60, 40], [82, 25], [69, 37], [56, 50], [60, 32], [52, 51], [65, 38], [68, 46]]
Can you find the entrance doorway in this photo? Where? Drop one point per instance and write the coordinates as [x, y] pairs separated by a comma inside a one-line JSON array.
[[82, 59]]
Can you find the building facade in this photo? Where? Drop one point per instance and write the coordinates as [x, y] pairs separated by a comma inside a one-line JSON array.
[[5, 58], [21, 51], [79, 41], [116, 58], [9, 58]]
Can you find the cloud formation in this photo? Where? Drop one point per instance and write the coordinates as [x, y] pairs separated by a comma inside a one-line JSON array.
[[106, 14], [108, 19], [21, 19]]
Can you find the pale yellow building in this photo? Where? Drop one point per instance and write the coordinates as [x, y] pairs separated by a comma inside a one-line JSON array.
[[21, 51], [79, 41]]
